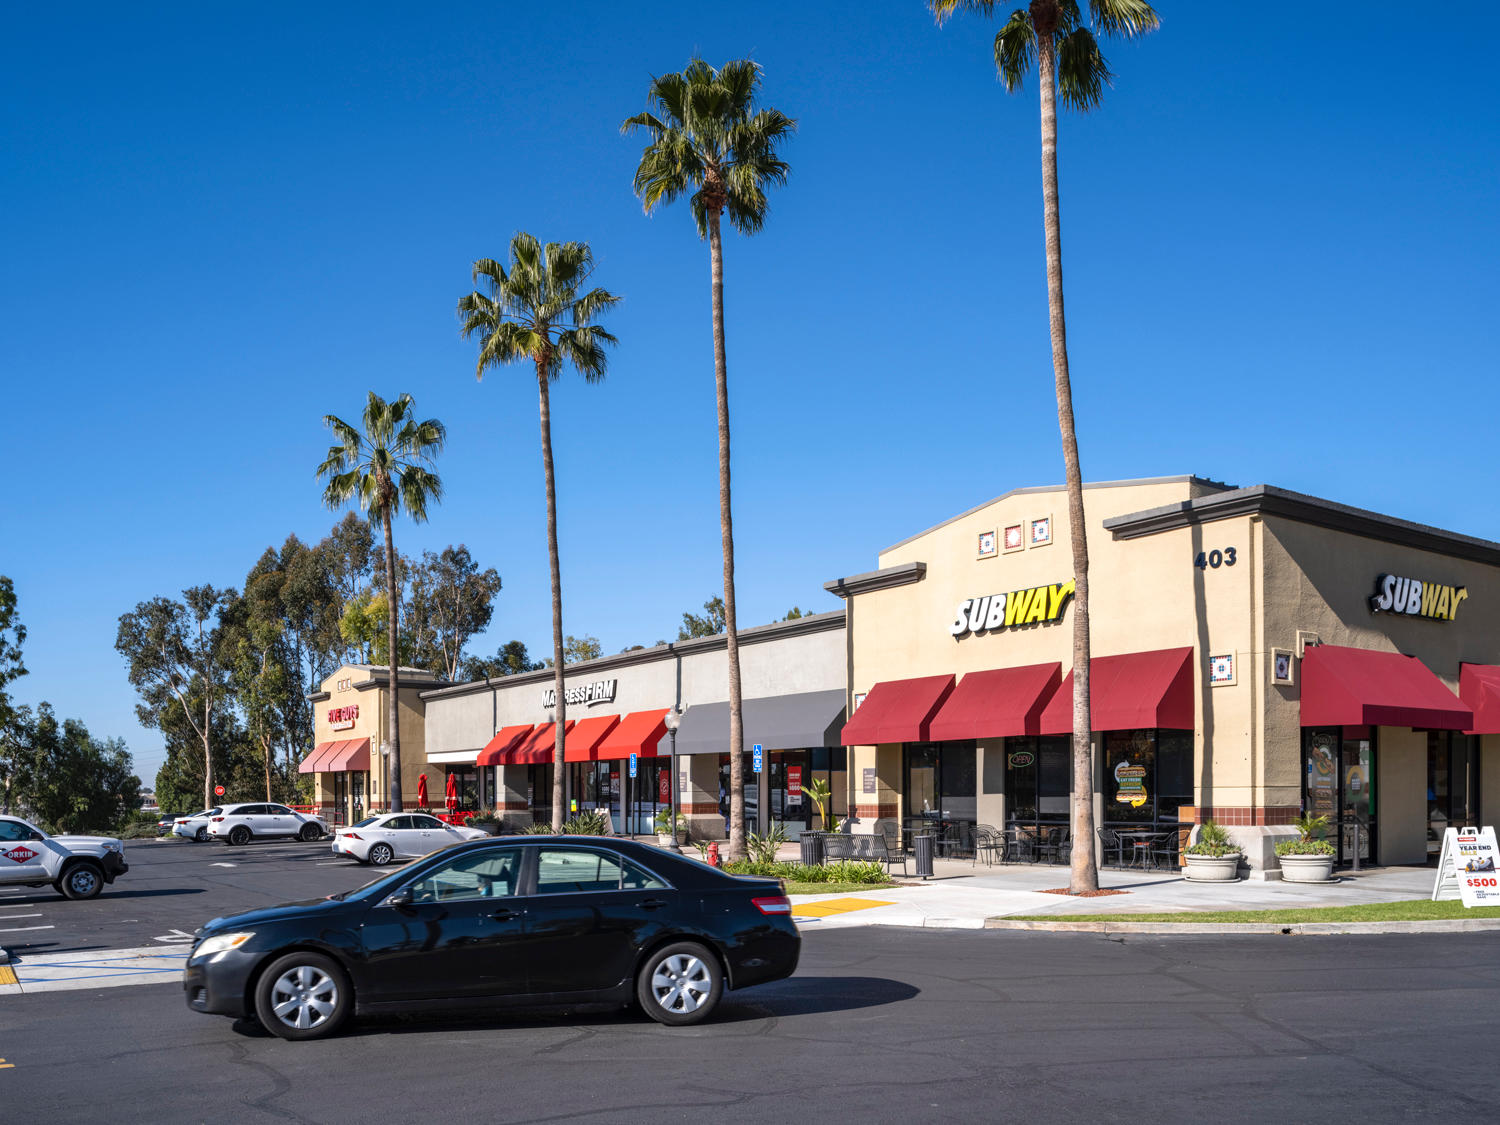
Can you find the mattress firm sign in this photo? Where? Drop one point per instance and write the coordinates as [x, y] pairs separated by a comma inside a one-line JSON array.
[[1394, 594], [1004, 611], [599, 691]]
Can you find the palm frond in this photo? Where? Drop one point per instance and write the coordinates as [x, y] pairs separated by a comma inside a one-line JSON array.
[[944, 10], [417, 487], [1124, 19], [1015, 50], [1082, 70]]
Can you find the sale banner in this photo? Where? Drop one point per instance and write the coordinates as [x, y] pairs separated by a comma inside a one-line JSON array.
[[1468, 859]]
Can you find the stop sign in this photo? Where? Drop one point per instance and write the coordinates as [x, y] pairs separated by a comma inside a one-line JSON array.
[[218, 791]]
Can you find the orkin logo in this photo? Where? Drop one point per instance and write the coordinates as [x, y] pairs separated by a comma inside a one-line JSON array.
[[1019, 607], [599, 691], [22, 854], [1394, 594]]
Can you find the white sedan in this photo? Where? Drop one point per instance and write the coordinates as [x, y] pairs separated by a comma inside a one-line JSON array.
[[195, 827], [377, 840]]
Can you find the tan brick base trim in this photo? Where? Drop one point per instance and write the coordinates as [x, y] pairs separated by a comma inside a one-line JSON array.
[[1241, 816], [875, 812], [513, 806], [701, 808]]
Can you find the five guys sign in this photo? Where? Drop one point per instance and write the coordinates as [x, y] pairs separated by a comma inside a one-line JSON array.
[[342, 718]]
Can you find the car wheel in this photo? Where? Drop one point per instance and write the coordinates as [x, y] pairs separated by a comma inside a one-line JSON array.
[[201, 836], [82, 880], [381, 854], [303, 995], [310, 832], [239, 835], [679, 984]]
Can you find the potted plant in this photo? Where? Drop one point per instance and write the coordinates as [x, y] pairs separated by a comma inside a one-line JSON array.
[[668, 827], [1309, 858], [486, 820], [820, 794], [1213, 857]]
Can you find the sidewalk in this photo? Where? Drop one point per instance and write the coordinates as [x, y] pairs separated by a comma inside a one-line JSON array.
[[964, 897]]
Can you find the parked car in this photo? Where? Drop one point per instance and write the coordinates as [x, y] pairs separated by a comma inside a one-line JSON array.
[[522, 920], [377, 840], [78, 866], [195, 827], [166, 822], [239, 824]]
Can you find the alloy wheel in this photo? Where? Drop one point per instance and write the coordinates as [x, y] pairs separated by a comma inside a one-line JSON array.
[[304, 997], [681, 983]]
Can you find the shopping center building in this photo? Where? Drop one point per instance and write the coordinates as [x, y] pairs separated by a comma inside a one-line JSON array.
[[497, 736], [1256, 652]]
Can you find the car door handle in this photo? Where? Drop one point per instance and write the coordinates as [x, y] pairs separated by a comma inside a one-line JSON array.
[[654, 904], [505, 914]]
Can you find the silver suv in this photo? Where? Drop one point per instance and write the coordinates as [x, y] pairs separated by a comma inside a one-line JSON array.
[[239, 824]]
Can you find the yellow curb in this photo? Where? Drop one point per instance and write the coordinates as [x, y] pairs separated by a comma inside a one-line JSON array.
[[834, 906], [7, 975]]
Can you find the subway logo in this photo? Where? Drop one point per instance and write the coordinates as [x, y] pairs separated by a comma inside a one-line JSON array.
[[1394, 594], [1019, 607]]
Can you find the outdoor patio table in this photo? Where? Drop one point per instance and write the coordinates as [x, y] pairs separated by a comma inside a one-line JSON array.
[[1140, 840]]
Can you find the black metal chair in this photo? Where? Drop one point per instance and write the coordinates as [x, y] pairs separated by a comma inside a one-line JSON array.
[[1164, 851], [989, 842], [1110, 839], [1052, 845], [1020, 844], [888, 840]]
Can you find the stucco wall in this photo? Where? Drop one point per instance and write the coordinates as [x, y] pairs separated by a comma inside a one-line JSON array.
[[1401, 795]]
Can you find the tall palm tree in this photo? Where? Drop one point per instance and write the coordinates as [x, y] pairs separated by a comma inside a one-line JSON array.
[[384, 467], [708, 138], [1055, 36], [537, 311]]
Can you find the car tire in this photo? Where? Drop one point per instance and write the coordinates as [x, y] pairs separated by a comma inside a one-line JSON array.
[[303, 995], [679, 984], [239, 835], [201, 836], [310, 832], [81, 881], [380, 855]]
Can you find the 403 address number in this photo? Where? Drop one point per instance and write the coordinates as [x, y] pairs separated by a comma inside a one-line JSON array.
[[1215, 559]]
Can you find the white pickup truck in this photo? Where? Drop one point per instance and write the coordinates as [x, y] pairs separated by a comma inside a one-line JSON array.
[[78, 866]]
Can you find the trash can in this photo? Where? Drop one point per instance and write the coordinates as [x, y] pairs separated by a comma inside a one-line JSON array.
[[922, 847], [812, 848]]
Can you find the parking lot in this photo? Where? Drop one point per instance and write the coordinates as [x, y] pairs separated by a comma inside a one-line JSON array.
[[171, 889]]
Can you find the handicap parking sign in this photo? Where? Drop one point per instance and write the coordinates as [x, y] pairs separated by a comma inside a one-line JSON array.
[[757, 758], [632, 765]]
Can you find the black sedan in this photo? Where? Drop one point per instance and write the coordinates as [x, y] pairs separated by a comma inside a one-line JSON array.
[[526, 920]]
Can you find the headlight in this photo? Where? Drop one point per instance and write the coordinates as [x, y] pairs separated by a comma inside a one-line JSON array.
[[221, 943]]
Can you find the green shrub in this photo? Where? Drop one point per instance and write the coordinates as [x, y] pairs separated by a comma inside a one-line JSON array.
[[763, 849], [1304, 846], [541, 828], [1213, 840], [591, 823], [844, 871]]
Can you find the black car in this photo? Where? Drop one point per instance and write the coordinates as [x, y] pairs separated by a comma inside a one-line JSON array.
[[526, 920]]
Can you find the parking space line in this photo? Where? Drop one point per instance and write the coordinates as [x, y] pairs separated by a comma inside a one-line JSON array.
[[9, 917], [18, 929]]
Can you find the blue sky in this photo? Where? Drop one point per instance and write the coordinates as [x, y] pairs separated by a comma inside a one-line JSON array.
[[220, 224]]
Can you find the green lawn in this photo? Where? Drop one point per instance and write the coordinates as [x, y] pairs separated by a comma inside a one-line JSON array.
[[1415, 910], [793, 888]]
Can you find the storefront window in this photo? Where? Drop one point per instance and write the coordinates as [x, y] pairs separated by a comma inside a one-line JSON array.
[[830, 764], [1338, 781], [466, 778], [1148, 776], [1452, 786], [941, 781], [1038, 779]]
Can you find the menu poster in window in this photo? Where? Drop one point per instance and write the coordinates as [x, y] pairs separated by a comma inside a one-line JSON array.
[[1130, 784], [614, 782], [869, 779], [794, 785], [664, 788], [1320, 774], [1466, 867]]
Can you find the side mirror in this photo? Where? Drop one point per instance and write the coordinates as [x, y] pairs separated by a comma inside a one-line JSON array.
[[37, 835], [399, 899]]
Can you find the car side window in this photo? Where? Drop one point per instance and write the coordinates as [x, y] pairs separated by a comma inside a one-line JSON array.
[[14, 830], [279, 810], [578, 871], [426, 822], [490, 874], [397, 823], [250, 810]]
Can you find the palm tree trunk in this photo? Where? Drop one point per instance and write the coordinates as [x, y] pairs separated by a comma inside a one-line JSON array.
[[208, 758], [560, 705], [726, 533], [393, 658], [1084, 876]]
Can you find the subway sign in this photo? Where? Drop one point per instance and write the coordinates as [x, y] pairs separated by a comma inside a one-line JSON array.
[[1005, 611], [1412, 596]]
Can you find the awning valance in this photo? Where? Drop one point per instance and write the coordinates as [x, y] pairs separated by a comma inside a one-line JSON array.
[[638, 733], [585, 737], [1362, 687], [506, 740], [540, 749], [998, 703], [322, 754], [453, 757], [1128, 692], [1479, 688], [777, 722], [352, 756], [897, 711]]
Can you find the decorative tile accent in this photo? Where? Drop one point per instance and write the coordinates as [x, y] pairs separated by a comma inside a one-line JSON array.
[[989, 544], [1283, 667], [1041, 531], [1221, 670], [1014, 539]]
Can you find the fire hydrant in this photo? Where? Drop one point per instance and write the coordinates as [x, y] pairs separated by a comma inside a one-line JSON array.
[[713, 855]]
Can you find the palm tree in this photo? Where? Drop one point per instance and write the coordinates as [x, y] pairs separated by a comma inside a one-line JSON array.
[[536, 312], [385, 469], [1055, 35], [708, 138]]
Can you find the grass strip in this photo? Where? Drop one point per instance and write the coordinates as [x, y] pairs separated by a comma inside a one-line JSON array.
[[793, 888], [1411, 910]]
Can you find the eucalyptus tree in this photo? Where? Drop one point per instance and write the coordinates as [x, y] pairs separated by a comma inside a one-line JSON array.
[[1057, 38], [708, 138], [384, 467], [538, 311]]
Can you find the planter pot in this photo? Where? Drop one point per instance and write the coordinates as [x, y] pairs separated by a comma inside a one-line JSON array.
[[1306, 868], [1212, 868], [812, 848], [666, 840], [489, 827]]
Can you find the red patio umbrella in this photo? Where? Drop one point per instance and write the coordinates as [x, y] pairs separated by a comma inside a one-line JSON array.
[[451, 798], [422, 792]]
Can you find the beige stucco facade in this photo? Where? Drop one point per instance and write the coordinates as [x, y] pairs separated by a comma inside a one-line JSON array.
[[352, 703], [1183, 562]]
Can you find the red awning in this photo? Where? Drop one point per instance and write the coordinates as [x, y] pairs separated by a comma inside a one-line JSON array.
[[352, 756], [998, 703], [1129, 692], [322, 753], [505, 740], [1361, 687], [638, 733], [897, 711], [540, 749], [1479, 688], [584, 738]]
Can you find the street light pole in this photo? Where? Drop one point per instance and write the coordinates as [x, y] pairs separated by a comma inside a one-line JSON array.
[[385, 772], [672, 719]]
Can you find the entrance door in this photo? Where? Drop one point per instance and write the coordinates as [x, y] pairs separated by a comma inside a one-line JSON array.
[[1338, 781]]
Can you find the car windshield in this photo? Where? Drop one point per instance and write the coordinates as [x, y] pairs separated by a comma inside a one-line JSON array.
[[369, 820]]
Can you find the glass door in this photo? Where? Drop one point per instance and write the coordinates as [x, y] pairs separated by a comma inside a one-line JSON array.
[[1338, 781]]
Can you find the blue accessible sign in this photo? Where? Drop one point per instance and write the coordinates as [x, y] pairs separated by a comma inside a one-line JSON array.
[[632, 765], [756, 760]]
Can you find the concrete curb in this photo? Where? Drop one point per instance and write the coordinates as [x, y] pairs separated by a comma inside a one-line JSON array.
[[1434, 926]]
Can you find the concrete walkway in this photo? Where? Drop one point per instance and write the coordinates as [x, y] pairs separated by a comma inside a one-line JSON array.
[[964, 897]]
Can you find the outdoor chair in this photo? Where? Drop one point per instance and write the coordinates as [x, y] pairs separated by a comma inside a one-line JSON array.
[[1020, 844], [1110, 839], [888, 847], [1053, 844], [1164, 851], [989, 843]]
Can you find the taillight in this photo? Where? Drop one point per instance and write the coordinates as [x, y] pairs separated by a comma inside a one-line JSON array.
[[777, 904], [217, 819], [351, 835]]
